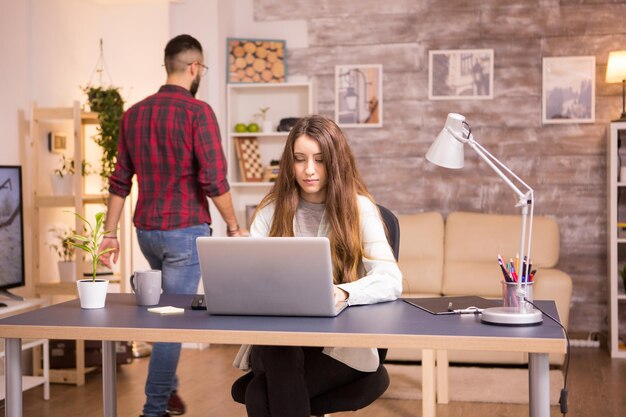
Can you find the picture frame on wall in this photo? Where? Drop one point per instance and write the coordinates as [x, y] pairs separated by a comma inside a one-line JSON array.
[[568, 89], [460, 74], [256, 60], [359, 95], [57, 142]]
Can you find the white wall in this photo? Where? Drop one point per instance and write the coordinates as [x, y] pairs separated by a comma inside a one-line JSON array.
[[15, 75]]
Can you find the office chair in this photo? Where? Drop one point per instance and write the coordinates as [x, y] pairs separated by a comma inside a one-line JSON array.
[[361, 392]]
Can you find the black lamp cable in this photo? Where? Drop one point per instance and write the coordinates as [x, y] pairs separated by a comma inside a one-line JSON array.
[[563, 397]]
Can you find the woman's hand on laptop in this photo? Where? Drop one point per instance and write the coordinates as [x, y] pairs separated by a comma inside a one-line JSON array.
[[340, 296]]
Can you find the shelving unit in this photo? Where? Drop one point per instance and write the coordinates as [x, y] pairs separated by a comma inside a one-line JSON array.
[[28, 381], [243, 101], [47, 207], [617, 236]]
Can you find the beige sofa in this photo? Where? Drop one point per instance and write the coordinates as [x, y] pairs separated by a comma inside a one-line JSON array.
[[459, 257]]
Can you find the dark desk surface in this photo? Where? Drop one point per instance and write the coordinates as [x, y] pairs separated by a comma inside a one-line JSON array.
[[393, 324]]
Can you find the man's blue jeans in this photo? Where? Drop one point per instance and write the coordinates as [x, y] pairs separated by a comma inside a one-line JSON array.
[[174, 253]]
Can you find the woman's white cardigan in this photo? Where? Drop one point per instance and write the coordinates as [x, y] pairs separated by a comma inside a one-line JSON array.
[[381, 279]]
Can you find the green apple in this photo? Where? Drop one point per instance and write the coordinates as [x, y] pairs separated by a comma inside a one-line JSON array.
[[241, 128], [253, 127]]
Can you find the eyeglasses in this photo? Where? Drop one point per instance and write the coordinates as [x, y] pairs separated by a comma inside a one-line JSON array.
[[204, 67]]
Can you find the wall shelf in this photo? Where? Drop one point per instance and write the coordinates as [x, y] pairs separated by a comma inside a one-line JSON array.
[[243, 101], [616, 249]]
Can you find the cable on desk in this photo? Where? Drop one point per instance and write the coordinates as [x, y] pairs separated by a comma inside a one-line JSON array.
[[564, 393]]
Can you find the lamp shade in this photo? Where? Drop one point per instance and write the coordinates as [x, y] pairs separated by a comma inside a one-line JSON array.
[[616, 67], [447, 151]]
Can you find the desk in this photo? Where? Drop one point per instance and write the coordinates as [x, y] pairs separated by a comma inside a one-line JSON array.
[[387, 325]]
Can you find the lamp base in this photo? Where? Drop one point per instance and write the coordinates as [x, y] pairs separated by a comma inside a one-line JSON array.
[[511, 316], [621, 119]]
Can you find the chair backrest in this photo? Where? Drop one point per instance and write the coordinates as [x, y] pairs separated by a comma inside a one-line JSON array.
[[393, 229]]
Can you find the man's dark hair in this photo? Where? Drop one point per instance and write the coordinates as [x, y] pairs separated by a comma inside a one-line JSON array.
[[176, 46]]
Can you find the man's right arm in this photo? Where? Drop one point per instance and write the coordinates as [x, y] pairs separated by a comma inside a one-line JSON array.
[[224, 204]]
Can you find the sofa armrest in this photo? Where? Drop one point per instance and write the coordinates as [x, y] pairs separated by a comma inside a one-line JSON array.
[[553, 284]]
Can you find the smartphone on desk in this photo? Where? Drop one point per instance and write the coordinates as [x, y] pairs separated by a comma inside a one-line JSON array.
[[198, 302]]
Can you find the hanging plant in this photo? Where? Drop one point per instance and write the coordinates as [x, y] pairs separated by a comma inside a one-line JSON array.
[[109, 105]]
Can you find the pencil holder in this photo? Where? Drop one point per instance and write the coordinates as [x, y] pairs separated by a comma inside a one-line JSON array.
[[510, 296]]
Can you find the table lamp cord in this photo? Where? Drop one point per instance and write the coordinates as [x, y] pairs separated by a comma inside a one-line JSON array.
[[563, 397]]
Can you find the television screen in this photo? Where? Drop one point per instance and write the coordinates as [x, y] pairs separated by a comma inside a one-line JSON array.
[[11, 228]]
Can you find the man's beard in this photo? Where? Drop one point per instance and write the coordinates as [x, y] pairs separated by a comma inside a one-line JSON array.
[[194, 85]]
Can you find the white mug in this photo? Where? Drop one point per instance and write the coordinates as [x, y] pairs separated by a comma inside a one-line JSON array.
[[147, 286]]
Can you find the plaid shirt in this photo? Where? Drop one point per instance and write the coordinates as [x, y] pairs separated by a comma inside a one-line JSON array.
[[172, 142]]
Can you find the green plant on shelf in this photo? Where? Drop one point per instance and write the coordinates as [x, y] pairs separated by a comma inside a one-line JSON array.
[[67, 167], [63, 244]]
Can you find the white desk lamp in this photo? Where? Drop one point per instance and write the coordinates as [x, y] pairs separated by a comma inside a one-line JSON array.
[[447, 151]]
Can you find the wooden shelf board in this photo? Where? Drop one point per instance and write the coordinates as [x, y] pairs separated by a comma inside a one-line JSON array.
[[90, 118], [251, 184], [67, 376], [235, 135], [53, 113], [55, 201], [56, 288], [28, 382], [95, 198]]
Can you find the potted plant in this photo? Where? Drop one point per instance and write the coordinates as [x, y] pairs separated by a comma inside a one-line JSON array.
[[65, 251], [92, 291], [63, 177], [109, 105], [268, 126]]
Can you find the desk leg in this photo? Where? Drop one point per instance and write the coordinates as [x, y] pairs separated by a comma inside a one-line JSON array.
[[539, 384], [109, 398], [13, 377], [428, 383], [443, 396]]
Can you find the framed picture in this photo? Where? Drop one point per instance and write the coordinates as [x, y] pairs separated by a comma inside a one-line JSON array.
[[256, 60], [465, 74], [57, 142], [569, 89], [359, 95]]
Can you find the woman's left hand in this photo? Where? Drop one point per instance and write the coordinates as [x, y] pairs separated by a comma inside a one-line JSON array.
[[340, 295]]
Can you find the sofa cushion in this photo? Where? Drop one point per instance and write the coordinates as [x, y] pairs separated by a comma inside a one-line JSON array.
[[473, 242], [421, 253]]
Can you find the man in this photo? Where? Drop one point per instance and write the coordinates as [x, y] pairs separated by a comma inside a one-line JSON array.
[[171, 141]]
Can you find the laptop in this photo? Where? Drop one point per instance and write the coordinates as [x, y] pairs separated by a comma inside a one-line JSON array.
[[269, 276]]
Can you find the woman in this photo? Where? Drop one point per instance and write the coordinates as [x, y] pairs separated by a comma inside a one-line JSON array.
[[319, 192]]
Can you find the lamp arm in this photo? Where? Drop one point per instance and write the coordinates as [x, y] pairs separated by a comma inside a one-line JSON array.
[[526, 201], [490, 161], [495, 160]]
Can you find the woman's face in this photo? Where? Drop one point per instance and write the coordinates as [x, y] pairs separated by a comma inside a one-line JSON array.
[[310, 169]]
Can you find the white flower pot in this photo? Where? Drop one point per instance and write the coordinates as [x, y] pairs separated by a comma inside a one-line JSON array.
[[268, 126], [92, 294], [67, 271], [62, 185]]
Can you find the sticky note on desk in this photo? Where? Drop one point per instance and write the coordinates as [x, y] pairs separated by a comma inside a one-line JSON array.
[[166, 310]]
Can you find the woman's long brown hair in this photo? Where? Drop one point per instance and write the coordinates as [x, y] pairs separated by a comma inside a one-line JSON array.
[[343, 185]]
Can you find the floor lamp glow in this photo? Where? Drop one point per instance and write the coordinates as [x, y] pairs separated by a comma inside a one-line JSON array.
[[447, 151], [616, 73]]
